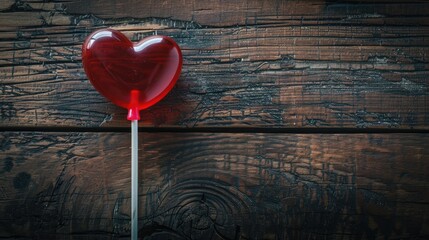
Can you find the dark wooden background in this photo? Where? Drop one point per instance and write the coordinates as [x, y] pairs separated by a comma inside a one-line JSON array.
[[291, 120]]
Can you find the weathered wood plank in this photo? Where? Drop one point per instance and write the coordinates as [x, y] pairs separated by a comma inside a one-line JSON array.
[[216, 185], [264, 64], [230, 13]]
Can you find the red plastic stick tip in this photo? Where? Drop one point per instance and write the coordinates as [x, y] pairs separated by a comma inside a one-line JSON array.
[[133, 114], [133, 111]]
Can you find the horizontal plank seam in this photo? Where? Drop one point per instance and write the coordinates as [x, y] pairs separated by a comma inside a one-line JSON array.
[[217, 130]]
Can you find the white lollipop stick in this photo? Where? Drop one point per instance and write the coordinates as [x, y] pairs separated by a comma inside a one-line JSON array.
[[134, 179]]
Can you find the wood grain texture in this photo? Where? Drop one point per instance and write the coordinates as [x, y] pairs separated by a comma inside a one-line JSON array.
[[215, 186], [269, 64]]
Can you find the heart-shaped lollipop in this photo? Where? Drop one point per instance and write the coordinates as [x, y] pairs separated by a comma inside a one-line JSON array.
[[131, 75]]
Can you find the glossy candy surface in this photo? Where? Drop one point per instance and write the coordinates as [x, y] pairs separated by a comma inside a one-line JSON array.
[[134, 76]]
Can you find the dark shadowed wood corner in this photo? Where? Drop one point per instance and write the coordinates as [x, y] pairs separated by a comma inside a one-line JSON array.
[[291, 120]]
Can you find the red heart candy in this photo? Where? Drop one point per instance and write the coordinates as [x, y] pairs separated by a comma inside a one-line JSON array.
[[134, 76]]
